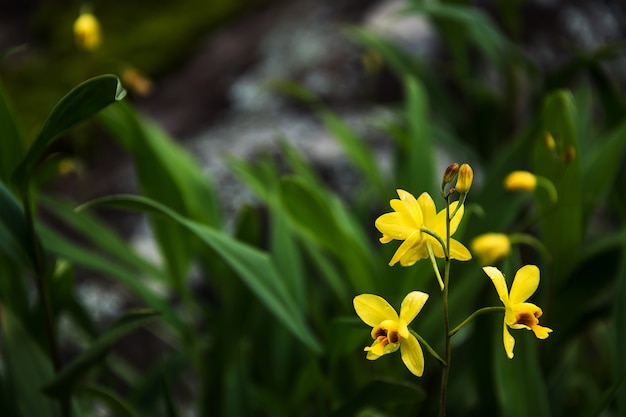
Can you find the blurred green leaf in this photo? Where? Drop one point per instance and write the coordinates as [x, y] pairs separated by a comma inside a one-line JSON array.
[[602, 166], [102, 237], [112, 400], [378, 393], [322, 218], [519, 382], [417, 170], [14, 233], [562, 223], [63, 248], [252, 266], [27, 367], [169, 175], [64, 382], [82, 102], [10, 140]]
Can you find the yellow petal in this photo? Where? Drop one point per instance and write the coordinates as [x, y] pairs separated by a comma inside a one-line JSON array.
[[429, 211], [509, 342], [412, 241], [411, 206], [498, 281], [541, 332], [373, 309], [412, 355], [525, 284], [414, 254], [395, 225], [458, 251], [412, 305], [385, 239]]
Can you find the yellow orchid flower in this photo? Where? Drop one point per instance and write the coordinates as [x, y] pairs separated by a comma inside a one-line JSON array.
[[519, 314], [410, 216], [87, 32], [390, 331], [491, 247]]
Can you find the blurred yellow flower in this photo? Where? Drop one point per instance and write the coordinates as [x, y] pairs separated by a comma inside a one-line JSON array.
[[390, 331], [520, 181], [519, 314], [406, 223], [87, 32], [491, 247]]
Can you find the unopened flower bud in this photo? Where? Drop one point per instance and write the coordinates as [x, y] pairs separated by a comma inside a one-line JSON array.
[[520, 181], [87, 32], [466, 176], [569, 154], [548, 140], [450, 174], [491, 247]]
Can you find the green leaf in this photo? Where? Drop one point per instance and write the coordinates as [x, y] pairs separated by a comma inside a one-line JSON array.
[[520, 386], [27, 367], [77, 254], [378, 393], [109, 397], [602, 166], [10, 140], [63, 383], [253, 266], [82, 102], [102, 237], [416, 155], [169, 175], [562, 223], [14, 234]]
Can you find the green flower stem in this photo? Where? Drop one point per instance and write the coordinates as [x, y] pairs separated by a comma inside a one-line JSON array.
[[475, 314], [446, 319], [458, 206], [430, 350], [433, 260], [547, 185], [435, 235], [531, 241]]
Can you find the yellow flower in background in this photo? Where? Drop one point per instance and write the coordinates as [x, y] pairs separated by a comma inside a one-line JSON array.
[[519, 314], [406, 223], [491, 247], [520, 181], [87, 32], [390, 331]]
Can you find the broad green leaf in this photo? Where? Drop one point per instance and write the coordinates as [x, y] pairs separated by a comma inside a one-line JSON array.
[[253, 266], [82, 102], [380, 392], [562, 223], [10, 140], [64, 382], [27, 367]]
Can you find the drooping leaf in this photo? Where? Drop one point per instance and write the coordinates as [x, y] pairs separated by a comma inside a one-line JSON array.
[[253, 266], [79, 104]]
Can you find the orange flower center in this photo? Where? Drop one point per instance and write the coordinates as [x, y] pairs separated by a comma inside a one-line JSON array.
[[527, 318], [386, 333]]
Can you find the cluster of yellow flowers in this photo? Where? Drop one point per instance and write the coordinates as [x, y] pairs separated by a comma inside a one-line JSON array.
[[425, 233]]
